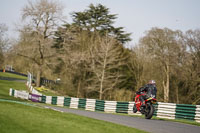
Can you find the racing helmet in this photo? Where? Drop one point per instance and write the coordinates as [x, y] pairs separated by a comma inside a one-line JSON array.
[[152, 82]]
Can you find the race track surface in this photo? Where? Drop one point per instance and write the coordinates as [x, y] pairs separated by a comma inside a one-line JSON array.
[[153, 126]]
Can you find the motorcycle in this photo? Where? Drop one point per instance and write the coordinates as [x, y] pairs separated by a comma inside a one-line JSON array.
[[148, 109]]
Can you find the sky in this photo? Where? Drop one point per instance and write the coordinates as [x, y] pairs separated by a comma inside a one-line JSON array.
[[136, 16]]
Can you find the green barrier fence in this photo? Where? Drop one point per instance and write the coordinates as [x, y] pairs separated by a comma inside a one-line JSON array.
[[162, 110], [67, 101], [82, 103], [122, 107], [99, 105]]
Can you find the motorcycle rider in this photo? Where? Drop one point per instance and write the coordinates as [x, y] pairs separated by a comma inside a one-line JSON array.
[[149, 90]]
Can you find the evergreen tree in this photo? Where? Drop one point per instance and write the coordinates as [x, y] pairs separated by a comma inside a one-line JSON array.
[[98, 19]]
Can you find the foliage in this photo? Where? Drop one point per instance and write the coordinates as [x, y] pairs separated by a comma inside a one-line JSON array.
[[172, 63], [42, 18], [98, 19], [107, 60], [3, 43], [94, 65], [89, 56]]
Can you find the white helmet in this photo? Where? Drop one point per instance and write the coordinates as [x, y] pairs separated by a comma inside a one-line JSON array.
[[152, 82]]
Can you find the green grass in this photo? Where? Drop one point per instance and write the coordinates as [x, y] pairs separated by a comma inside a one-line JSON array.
[[191, 122], [6, 85], [49, 93], [18, 118], [10, 75]]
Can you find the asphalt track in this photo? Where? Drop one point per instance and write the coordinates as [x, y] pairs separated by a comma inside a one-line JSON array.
[[153, 126]]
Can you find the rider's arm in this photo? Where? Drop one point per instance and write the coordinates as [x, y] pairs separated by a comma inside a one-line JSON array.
[[142, 89]]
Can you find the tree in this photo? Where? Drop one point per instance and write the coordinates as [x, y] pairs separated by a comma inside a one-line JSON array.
[[77, 53], [43, 18], [3, 42], [72, 45], [163, 46], [107, 59], [98, 19], [192, 40]]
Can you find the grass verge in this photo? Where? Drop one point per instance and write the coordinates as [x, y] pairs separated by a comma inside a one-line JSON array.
[[191, 122], [10, 75], [19, 118], [6, 85]]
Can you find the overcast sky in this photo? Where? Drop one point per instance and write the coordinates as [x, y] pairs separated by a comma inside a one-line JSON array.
[[136, 16]]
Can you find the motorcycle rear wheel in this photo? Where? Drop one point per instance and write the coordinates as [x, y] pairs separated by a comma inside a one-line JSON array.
[[150, 111]]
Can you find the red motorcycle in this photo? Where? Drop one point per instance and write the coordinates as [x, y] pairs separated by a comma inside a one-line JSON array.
[[148, 109]]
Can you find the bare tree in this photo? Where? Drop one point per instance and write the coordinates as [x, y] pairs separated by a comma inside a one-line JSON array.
[[193, 42], [3, 42], [42, 20], [107, 58], [163, 46]]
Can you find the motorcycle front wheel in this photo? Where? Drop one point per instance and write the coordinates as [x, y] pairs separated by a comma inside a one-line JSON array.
[[149, 111], [134, 109]]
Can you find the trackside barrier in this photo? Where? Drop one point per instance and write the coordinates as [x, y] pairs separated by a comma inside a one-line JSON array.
[[166, 110], [49, 100], [185, 111], [197, 116], [19, 94], [74, 103], [81, 103], [60, 101], [100, 105], [34, 97], [162, 110], [90, 104], [32, 90], [110, 106]]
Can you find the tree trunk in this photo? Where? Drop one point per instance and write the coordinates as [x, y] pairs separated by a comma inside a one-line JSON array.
[[101, 91], [102, 77], [38, 77], [101, 86], [166, 85], [78, 90], [177, 96]]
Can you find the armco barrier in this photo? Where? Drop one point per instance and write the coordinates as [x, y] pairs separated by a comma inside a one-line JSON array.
[[165, 110], [67, 101], [19, 94], [122, 107], [74, 103], [32, 90], [60, 101], [185, 111], [197, 116], [162, 110], [34, 97], [81, 103], [90, 104], [99, 105]]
